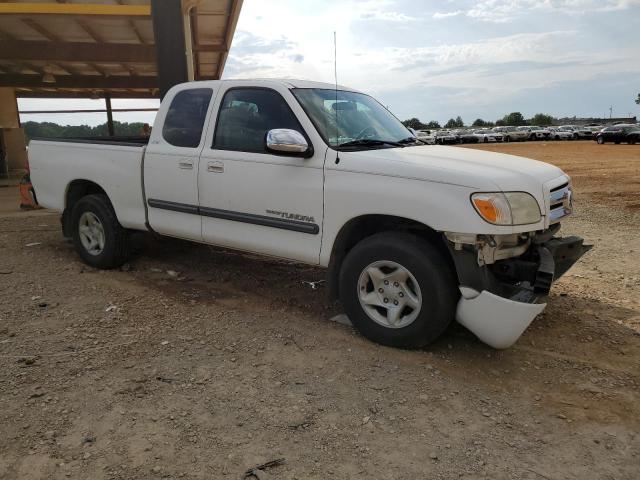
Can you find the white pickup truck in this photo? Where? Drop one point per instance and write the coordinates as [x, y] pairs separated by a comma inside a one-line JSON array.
[[413, 235]]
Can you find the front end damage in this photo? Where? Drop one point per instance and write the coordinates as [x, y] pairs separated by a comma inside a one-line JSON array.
[[503, 279]]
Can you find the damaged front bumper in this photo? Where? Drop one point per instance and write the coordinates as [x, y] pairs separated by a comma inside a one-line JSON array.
[[500, 294]]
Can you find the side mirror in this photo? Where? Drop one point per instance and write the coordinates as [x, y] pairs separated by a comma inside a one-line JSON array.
[[287, 142]]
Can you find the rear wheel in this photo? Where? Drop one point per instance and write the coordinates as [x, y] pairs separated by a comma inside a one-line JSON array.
[[98, 237], [398, 290], [632, 141], [507, 139]]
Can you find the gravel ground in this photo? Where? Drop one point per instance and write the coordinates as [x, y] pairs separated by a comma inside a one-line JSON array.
[[194, 362]]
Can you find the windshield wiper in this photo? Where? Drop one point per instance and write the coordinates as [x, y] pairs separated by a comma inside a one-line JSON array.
[[369, 142]]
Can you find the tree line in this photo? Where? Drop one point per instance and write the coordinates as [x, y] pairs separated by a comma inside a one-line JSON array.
[[54, 130], [515, 119]]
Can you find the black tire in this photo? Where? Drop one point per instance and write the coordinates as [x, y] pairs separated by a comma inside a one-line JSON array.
[[486, 140], [115, 251], [600, 141], [437, 283], [507, 139], [632, 141]]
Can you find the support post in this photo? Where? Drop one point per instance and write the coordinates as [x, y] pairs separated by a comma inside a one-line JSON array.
[[168, 32], [110, 129], [13, 157]]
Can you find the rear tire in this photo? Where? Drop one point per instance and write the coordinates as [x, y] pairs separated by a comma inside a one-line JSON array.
[[98, 237], [412, 275], [632, 141]]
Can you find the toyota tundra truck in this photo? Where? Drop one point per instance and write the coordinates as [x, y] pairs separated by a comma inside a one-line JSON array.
[[412, 236]]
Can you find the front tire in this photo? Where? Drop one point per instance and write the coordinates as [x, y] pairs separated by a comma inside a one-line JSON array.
[[600, 141], [98, 237], [398, 290]]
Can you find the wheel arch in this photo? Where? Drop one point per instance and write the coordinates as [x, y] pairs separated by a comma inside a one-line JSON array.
[[76, 189], [364, 226]]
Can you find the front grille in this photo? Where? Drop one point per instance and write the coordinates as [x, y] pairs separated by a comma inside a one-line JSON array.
[[560, 202]]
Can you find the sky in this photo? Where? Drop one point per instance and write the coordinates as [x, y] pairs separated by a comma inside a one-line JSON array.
[[437, 59]]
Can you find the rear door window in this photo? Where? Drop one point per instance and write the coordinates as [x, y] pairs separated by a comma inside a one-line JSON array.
[[185, 118]]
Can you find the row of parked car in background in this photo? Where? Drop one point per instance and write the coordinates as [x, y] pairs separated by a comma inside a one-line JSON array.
[[621, 133]]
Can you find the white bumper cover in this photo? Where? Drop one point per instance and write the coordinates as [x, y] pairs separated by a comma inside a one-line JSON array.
[[495, 320]]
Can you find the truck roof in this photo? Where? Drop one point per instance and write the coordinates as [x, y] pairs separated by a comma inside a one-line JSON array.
[[286, 82]]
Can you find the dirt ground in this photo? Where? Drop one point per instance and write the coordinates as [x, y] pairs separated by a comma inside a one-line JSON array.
[[193, 362]]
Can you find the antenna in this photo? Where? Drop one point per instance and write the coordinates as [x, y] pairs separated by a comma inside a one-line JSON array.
[[335, 77]]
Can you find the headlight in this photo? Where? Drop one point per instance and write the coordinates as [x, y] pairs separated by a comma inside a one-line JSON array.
[[509, 208]]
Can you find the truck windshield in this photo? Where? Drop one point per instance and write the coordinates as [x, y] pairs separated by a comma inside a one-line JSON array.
[[353, 120]]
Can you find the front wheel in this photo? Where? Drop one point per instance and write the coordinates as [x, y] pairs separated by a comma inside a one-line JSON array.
[[398, 290], [98, 237], [600, 141]]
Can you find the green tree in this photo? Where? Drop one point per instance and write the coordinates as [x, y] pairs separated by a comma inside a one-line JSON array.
[[500, 123], [459, 121], [638, 99], [53, 130], [451, 123], [433, 124], [541, 119], [514, 119], [414, 123], [478, 122]]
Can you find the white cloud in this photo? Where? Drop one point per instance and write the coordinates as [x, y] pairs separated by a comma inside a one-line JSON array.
[[501, 11], [439, 15], [379, 10]]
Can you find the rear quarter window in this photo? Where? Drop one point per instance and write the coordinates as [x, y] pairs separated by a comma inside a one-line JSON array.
[[185, 118]]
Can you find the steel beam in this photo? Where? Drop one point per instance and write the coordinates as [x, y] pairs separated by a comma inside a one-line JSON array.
[[78, 81], [107, 102], [168, 31], [77, 51], [93, 9]]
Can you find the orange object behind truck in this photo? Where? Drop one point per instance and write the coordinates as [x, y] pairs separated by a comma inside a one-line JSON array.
[[28, 200]]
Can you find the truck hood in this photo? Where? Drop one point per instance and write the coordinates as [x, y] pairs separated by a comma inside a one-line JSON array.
[[477, 169]]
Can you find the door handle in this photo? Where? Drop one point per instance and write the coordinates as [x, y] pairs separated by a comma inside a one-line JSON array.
[[186, 164], [215, 167]]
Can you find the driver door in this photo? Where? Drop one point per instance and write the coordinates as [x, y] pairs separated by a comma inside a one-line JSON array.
[[252, 199]]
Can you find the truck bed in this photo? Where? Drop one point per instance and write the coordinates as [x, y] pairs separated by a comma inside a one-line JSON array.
[[113, 163]]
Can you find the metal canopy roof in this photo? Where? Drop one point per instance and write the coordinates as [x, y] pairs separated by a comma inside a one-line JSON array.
[[80, 48]]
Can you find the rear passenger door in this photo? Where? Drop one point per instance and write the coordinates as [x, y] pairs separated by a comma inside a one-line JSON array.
[[255, 200], [171, 164]]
